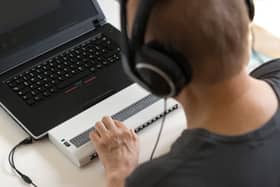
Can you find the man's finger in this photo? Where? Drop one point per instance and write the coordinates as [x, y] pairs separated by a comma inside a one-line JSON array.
[[120, 124], [94, 136], [109, 123], [100, 128], [134, 135]]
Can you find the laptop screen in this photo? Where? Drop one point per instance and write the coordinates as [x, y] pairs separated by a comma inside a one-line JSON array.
[[24, 23]]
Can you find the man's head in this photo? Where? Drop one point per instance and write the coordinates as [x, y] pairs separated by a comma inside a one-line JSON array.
[[212, 35]]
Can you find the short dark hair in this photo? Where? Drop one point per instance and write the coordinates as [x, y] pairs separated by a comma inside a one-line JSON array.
[[212, 34]]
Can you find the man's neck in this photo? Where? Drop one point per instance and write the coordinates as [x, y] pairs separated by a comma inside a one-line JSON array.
[[231, 107]]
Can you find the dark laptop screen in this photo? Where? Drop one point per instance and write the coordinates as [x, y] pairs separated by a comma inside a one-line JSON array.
[[25, 22]]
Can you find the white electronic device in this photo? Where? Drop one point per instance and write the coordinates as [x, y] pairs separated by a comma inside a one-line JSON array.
[[133, 105]]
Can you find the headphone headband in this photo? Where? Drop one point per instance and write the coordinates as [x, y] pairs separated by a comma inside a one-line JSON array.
[[170, 70], [140, 24], [251, 8]]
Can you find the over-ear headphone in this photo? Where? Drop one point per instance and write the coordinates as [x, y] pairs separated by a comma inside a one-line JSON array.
[[161, 69]]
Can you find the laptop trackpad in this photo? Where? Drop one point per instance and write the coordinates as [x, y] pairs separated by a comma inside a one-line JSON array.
[[98, 99]]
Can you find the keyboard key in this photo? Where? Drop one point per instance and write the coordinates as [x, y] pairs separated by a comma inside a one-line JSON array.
[[47, 85], [105, 62], [46, 73], [20, 93], [66, 69], [46, 94], [33, 80], [39, 83], [38, 98], [26, 97], [34, 93], [40, 77], [12, 84], [73, 72], [99, 66], [53, 76], [20, 80], [60, 78], [16, 89], [53, 82], [45, 68], [41, 89], [33, 86], [15, 78], [53, 70], [52, 90], [92, 69], [46, 80], [80, 68], [25, 83], [87, 65], [67, 75]]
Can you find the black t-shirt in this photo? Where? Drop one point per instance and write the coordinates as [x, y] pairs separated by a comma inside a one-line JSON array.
[[202, 159]]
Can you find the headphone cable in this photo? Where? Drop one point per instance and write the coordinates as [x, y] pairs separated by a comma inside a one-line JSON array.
[[160, 130], [24, 177]]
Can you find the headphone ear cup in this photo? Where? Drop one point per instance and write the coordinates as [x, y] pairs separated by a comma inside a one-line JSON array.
[[177, 57], [159, 72]]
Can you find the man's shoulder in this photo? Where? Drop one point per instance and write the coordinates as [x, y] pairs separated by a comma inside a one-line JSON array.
[[158, 171], [269, 72]]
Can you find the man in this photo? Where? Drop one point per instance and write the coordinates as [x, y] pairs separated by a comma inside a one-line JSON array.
[[233, 118]]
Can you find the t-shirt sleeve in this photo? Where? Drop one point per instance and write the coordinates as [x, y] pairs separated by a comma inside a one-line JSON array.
[[269, 72]]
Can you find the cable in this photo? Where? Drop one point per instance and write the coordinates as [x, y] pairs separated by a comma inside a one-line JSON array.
[[24, 177], [160, 130]]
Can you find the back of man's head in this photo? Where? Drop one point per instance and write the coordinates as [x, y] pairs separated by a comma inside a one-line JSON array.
[[212, 34]]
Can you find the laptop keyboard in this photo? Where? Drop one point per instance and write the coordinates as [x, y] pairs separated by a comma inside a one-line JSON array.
[[76, 65]]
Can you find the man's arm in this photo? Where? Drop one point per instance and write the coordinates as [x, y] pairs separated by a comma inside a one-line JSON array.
[[116, 181]]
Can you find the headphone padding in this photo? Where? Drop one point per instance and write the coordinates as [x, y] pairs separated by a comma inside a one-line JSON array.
[[159, 72]]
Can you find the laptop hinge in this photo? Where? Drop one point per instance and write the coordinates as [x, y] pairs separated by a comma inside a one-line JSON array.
[[96, 23]]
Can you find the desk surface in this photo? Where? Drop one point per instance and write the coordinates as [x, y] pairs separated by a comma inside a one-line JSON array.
[[48, 167], [267, 30]]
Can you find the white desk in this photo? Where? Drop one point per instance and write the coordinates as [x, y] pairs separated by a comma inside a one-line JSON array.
[[50, 168], [268, 15]]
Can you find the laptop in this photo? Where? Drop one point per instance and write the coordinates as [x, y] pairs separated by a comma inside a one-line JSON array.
[[60, 72], [57, 59]]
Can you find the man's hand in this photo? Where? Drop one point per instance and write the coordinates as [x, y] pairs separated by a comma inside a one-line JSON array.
[[117, 148]]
